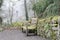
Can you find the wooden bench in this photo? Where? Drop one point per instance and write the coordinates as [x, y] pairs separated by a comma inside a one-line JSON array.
[[32, 26]]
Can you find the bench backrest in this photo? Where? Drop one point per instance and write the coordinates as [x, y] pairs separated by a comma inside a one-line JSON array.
[[33, 20], [59, 20]]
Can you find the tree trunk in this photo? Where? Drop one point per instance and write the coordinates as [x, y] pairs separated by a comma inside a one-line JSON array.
[[26, 10], [11, 16], [1, 1]]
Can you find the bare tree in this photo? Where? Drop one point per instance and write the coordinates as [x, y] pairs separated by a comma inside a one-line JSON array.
[[11, 11]]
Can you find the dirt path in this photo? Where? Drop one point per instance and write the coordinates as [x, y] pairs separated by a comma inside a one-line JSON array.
[[17, 35]]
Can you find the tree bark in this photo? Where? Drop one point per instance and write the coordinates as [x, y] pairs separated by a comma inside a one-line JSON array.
[[26, 9]]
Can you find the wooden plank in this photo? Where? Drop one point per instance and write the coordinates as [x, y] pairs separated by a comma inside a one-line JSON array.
[[34, 20], [55, 28]]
